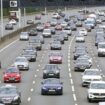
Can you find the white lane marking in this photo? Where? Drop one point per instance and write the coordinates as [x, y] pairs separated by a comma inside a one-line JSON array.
[[73, 89], [74, 96], [71, 81], [8, 45], [29, 99], [68, 64], [68, 57], [31, 89], [35, 75], [76, 104], [0, 81], [69, 69], [68, 60], [37, 70], [39, 65], [70, 75], [33, 82]]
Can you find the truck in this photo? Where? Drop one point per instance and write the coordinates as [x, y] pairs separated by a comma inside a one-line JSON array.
[[14, 15]]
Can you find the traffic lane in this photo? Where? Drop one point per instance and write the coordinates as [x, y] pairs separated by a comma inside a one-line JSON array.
[[81, 92], [57, 100], [25, 85]]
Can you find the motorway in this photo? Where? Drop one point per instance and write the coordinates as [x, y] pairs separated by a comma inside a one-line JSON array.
[[30, 86]]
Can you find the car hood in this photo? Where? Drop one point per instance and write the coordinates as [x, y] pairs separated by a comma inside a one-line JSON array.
[[91, 77], [52, 85], [12, 74], [10, 96], [20, 63], [55, 57]]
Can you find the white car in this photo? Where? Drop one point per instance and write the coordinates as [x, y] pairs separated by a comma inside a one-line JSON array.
[[13, 22], [46, 33], [90, 75], [64, 24], [67, 30], [101, 49], [80, 38], [24, 36], [98, 21], [83, 32], [102, 26], [96, 91], [22, 63], [56, 16]]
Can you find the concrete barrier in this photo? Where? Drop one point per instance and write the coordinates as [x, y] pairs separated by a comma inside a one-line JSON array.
[[17, 32]]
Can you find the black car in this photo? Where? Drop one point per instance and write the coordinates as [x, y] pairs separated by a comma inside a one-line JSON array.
[[9, 27], [73, 27], [51, 71], [9, 95], [81, 64], [55, 45], [30, 55], [58, 38], [52, 86], [79, 52]]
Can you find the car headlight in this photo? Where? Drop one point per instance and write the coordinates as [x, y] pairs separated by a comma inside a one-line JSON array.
[[16, 97], [56, 72], [44, 88], [45, 71], [59, 88]]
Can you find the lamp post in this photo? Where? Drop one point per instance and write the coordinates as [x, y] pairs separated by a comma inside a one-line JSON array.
[[19, 10], [1, 18]]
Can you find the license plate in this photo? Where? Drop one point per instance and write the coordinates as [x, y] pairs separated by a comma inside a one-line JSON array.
[[51, 90], [51, 74], [12, 79]]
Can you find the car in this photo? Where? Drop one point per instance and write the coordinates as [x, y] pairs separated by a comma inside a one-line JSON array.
[[30, 21], [96, 91], [47, 25], [56, 16], [30, 55], [79, 52], [58, 27], [90, 75], [101, 103], [51, 71], [80, 38], [53, 22], [40, 37], [55, 57], [67, 30], [101, 49], [39, 27], [55, 45], [53, 31], [37, 17], [24, 36], [9, 26], [47, 33], [36, 43], [52, 86], [64, 24], [81, 65], [64, 34], [13, 22], [33, 32], [99, 39], [86, 57], [98, 21], [31, 48], [9, 94], [12, 74], [21, 63], [83, 31], [59, 38], [73, 27], [79, 24], [88, 28]]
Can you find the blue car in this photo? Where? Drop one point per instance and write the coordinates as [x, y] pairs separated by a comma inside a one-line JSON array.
[[52, 86]]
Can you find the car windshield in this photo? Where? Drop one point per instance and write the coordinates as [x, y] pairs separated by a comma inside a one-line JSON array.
[[84, 61], [20, 60], [24, 33], [92, 73], [51, 81], [47, 31], [101, 45], [97, 86], [34, 41], [7, 90], [11, 70], [50, 67]]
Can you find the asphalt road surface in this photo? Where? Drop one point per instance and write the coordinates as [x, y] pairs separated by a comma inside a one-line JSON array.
[[30, 86]]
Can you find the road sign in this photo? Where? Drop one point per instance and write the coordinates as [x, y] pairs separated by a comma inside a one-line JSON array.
[[13, 3]]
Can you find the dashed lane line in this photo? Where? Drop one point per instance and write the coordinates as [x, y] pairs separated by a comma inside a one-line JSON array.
[[29, 99], [33, 82]]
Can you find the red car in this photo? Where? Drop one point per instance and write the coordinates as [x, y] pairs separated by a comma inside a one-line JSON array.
[[12, 74], [47, 25], [55, 58], [58, 27]]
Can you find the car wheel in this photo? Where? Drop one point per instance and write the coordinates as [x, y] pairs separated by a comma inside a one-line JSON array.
[[89, 100], [99, 55], [42, 93]]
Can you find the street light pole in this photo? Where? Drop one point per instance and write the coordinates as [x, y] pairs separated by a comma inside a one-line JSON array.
[[1, 18], [19, 10]]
